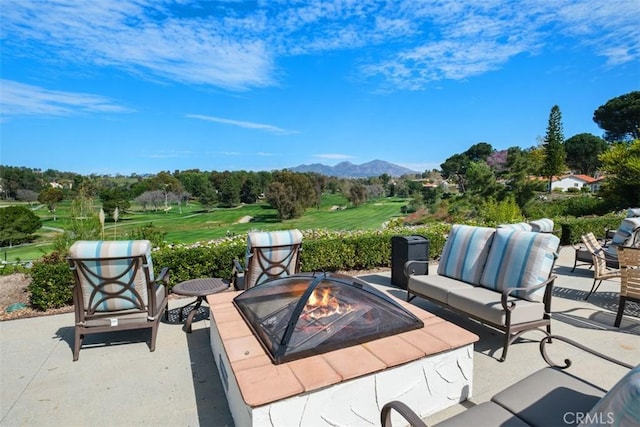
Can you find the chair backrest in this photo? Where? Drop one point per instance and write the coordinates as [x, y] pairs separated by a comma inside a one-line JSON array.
[[272, 254], [598, 254], [629, 271], [111, 275]]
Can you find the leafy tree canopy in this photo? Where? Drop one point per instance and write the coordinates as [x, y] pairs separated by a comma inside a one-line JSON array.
[[17, 225], [620, 117], [622, 165], [582, 152]]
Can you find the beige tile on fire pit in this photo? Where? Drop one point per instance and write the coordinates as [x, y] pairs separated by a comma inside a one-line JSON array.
[[221, 298], [351, 362], [425, 342], [314, 372], [394, 350], [250, 363], [267, 383], [234, 329], [243, 348], [452, 334], [227, 313]]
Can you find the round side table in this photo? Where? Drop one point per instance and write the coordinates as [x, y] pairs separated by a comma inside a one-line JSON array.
[[198, 288]]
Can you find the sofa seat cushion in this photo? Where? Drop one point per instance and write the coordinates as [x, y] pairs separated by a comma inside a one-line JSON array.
[[485, 304], [520, 259], [465, 253], [549, 397], [434, 286], [488, 414]]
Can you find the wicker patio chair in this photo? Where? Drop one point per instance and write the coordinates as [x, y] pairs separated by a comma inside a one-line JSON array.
[[629, 278], [116, 289], [268, 255], [604, 267]]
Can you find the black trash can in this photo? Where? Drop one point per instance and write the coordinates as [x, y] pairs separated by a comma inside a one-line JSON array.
[[407, 248]]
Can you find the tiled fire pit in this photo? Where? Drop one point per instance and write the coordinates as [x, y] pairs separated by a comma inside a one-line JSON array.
[[430, 369]]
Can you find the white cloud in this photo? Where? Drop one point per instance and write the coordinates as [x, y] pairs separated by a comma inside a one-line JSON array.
[[236, 45], [18, 99], [243, 124]]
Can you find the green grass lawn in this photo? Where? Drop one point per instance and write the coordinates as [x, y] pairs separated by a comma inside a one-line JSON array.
[[192, 224]]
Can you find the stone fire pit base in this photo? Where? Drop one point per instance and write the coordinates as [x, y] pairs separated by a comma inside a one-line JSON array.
[[429, 369]]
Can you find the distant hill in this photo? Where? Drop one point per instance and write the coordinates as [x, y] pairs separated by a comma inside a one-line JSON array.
[[349, 170]]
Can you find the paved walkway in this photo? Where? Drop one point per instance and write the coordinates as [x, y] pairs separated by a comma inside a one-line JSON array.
[[123, 384]]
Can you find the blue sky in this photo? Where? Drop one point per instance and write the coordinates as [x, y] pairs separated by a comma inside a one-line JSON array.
[[143, 86]]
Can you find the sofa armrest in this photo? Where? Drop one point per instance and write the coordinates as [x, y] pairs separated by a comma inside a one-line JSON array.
[[567, 362], [511, 305], [410, 267], [412, 418]]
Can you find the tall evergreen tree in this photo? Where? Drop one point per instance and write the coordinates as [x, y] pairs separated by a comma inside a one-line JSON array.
[[553, 146]]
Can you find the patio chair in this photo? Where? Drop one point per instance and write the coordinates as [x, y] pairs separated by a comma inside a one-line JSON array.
[[583, 255], [629, 278], [604, 267], [268, 255], [116, 289]]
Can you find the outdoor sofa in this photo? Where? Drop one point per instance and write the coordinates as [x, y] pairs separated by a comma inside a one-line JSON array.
[[548, 397], [500, 277]]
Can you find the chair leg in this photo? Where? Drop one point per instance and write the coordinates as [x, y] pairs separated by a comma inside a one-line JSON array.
[[77, 344], [593, 288], [154, 335], [621, 304], [505, 348]]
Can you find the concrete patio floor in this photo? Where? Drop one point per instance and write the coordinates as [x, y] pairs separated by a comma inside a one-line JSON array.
[[123, 384]]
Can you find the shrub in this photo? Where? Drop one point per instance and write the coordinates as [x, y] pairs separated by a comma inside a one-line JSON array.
[[52, 282]]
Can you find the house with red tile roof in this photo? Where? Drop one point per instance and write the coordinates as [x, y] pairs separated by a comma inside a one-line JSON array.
[[573, 181]]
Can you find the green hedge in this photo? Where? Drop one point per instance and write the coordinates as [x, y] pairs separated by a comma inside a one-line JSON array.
[[322, 250], [573, 229]]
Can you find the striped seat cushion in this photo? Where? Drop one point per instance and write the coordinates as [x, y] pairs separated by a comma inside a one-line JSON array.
[[277, 254], [520, 259], [465, 252], [96, 256], [543, 225], [520, 226]]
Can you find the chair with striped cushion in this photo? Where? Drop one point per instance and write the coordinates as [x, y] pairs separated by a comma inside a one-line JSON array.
[[116, 288], [268, 255]]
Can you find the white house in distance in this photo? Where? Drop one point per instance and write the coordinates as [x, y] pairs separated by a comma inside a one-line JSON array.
[[566, 182]]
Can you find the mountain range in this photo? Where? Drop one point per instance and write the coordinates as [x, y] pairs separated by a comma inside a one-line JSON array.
[[350, 170]]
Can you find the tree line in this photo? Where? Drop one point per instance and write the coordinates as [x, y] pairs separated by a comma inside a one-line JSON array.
[[481, 176]]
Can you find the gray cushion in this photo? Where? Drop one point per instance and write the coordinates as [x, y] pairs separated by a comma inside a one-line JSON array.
[[485, 414], [546, 396], [434, 286], [485, 303]]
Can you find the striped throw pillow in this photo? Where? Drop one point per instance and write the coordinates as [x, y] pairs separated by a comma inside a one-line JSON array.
[[520, 259], [278, 259], [543, 225], [520, 226], [465, 253]]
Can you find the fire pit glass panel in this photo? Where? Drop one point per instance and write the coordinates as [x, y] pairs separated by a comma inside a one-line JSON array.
[[312, 313]]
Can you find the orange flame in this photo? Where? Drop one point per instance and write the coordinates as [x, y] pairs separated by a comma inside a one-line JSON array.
[[322, 304]]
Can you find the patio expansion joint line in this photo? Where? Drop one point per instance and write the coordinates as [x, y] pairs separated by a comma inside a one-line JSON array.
[[35, 373]]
